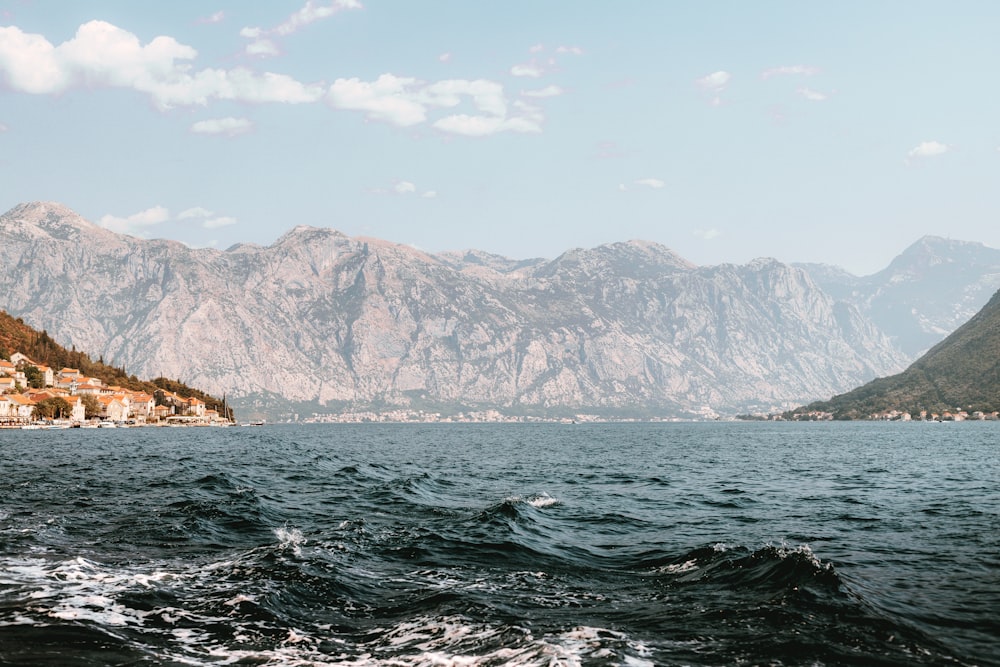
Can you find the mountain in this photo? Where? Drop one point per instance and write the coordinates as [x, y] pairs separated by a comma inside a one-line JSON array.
[[962, 372], [16, 336], [928, 291], [321, 322]]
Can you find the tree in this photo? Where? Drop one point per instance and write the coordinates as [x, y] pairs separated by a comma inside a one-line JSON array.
[[36, 380], [53, 408], [91, 406]]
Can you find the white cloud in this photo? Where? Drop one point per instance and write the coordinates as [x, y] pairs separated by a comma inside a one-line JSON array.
[[444, 57], [536, 48], [389, 98], [135, 222], [654, 183], [526, 69], [529, 120], [812, 95], [707, 234], [404, 102], [715, 81], [404, 189], [196, 212], [229, 125], [572, 50], [547, 91], [928, 149], [312, 12], [215, 223], [309, 13], [101, 54], [487, 96], [262, 47], [804, 70], [3, 128], [217, 17]]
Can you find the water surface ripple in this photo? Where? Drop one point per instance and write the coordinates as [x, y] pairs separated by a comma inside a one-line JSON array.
[[633, 544]]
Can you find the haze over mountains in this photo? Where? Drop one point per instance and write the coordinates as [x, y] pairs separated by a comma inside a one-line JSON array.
[[321, 322], [961, 374]]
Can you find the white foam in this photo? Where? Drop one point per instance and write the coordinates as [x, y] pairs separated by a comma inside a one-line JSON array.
[[537, 500], [679, 568], [542, 500], [290, 538]]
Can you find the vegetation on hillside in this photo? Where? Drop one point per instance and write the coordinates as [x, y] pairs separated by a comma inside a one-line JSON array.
[[16, 336], [962, 372]]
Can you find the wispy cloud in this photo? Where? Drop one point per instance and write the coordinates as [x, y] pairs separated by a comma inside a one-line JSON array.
[[207, 219], [927, 149], [215, 223], [547, 91], [532, 70], [650, 183], [229, 126], [707, 234], [714, 84], [654, 183], [217, 17], [406, 101], [196, 212], [403, 188], [137, 222], [263, 44], [787, 70], [812, 95]]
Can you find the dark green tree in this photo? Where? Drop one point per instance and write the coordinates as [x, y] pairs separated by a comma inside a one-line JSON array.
[[34, 376], [53, 408], [91, 406]]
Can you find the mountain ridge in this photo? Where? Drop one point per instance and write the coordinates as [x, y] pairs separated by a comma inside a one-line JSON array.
[[324, 322], [960, 374]]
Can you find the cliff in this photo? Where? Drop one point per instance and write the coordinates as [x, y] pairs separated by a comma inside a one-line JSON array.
[[320, 321]]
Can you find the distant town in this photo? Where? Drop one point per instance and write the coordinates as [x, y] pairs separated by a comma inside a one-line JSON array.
[[958, 415], [32, 395]]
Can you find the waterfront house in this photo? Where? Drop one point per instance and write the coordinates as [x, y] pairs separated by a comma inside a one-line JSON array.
[[113, 408], [195, 407]]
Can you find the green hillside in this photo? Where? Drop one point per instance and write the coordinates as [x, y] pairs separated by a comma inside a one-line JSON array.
[[961, 372], [16, 336]]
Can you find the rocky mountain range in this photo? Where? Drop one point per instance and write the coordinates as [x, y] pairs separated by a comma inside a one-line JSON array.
[[320, 322], [961, 374], [925, 293]]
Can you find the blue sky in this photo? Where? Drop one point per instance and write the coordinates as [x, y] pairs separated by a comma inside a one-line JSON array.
[[835, 132]]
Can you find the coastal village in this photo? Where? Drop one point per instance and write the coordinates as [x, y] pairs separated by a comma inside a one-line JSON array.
[[91, 403]]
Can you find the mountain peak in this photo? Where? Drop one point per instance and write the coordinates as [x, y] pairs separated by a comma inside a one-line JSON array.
[[46, 219]]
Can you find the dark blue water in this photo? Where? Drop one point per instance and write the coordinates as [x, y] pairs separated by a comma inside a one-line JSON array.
[[673, 544]]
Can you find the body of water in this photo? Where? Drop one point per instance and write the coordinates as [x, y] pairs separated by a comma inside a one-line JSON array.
[[634, 544]]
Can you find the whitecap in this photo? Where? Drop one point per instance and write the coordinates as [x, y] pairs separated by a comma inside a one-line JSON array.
[[290, 538]]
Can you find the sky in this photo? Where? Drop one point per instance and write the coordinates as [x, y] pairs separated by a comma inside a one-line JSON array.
[[836, 132]]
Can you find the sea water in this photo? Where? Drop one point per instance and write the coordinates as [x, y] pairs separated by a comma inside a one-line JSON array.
[[466, 544]]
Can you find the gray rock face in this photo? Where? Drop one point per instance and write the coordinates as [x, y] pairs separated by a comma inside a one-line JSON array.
[[336, 322], [928, 291]]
